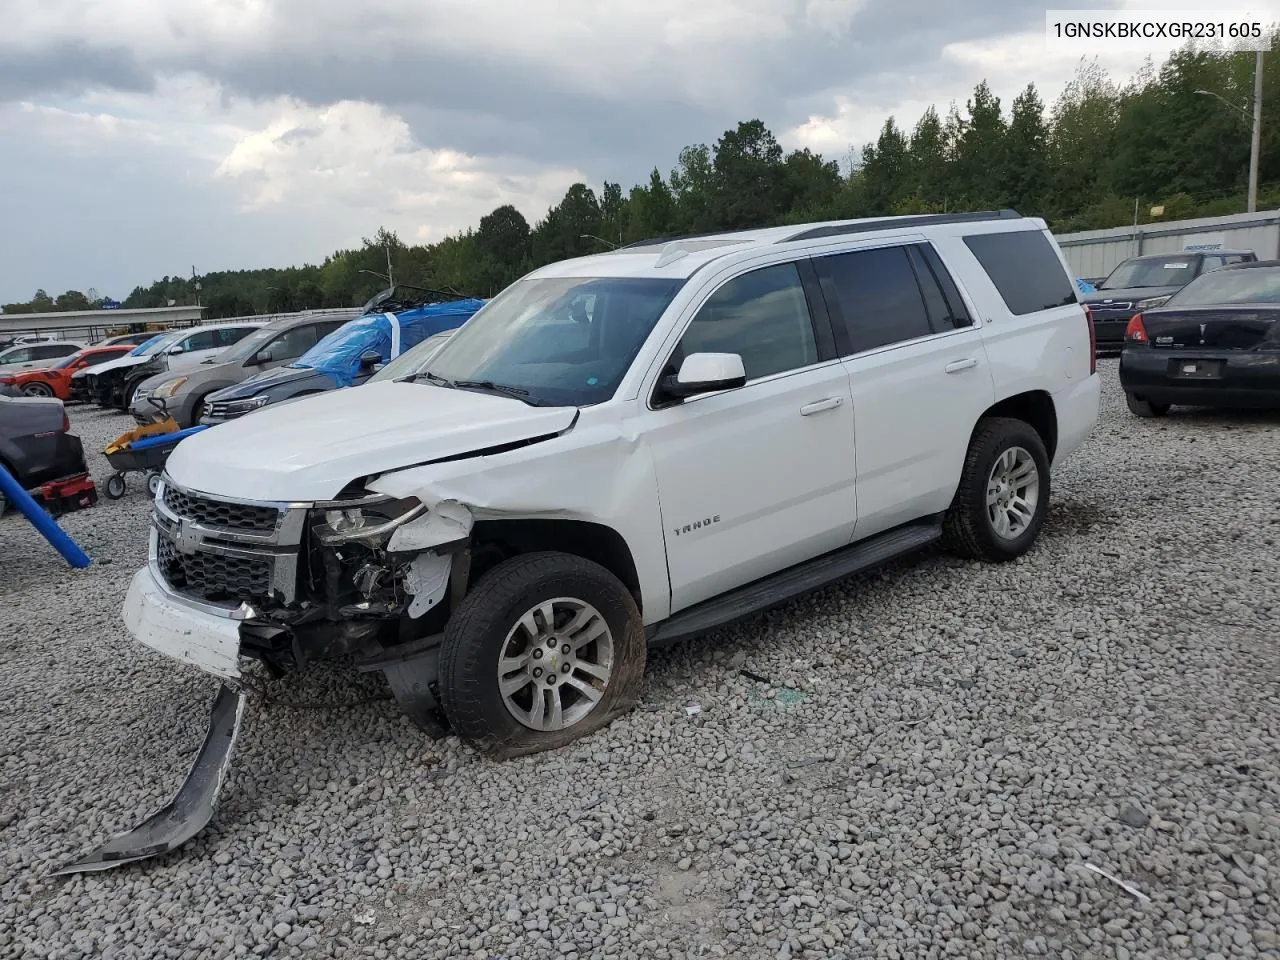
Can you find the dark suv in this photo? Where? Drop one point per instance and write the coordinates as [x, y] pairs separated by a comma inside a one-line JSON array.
[[1143, 283]]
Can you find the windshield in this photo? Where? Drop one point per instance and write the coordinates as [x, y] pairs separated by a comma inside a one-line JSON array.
[[1249, 285], [246, 348], [411, 361], [563, 341], [1161, 272], [157, 343]]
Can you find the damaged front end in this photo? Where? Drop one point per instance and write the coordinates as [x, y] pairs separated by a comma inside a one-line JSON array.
[[364, 575]]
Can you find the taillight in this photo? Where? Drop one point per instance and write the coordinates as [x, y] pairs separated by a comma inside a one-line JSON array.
[[1093, 342], [66, 421], [1136, 331]]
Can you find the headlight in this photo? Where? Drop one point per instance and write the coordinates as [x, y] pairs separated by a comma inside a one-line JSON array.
[[370, 520], [1151, 303], [167, 389], [248, 405]]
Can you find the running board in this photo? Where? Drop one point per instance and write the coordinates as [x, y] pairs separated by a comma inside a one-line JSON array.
[[192, 806], [793, 582]]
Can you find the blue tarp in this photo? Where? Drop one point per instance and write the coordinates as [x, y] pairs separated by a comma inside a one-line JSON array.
[[159, 440], [1084, 286], [338, 354]]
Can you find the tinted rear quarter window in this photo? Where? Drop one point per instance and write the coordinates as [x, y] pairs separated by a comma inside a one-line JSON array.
[[873, 297], [1024, 268]]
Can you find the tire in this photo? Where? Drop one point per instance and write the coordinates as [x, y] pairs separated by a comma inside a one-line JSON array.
[[115, 486], [37, 389], [126, 396], [493, 618], [1145, 408], [999, 444], [153, 483]]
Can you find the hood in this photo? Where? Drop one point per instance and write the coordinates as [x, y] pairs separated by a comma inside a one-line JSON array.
[[259, 382], [120, 363], [1128, 294], [310, 450]]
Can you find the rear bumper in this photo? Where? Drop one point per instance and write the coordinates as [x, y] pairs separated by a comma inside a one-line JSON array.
[[1238, 378], [1077, 409]]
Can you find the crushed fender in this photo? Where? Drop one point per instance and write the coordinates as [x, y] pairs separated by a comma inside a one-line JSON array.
[[192, 806]]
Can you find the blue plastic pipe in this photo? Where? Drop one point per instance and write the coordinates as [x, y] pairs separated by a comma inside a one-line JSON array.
[[41, 520]]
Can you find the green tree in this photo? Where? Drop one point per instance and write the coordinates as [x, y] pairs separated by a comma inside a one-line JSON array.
[[930, 163], [504, 236], [980, 151], [72, 300], [886, 170], [42, 302], [747, 163], [1026, 174], [693, 185]]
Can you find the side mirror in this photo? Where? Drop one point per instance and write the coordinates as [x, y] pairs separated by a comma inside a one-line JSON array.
[[176, 349], [268, 354], [370, 358], [705, 373]]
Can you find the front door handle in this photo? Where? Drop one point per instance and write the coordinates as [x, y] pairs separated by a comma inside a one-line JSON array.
[[818, 406], [955, 366]]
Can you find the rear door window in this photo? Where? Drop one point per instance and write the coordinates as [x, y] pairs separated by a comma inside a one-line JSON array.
[[48, 351], [1024, 268], [874, 298]]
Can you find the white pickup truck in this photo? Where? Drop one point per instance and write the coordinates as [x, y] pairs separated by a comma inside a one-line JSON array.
[[624, 450]]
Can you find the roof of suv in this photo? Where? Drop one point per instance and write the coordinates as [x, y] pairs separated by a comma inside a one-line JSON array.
[[681, 257]]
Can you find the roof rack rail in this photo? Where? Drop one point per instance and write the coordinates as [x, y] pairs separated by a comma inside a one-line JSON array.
[[656, 241], [926, 220]]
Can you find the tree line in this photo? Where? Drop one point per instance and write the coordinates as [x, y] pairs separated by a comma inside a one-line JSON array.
[[1176, 136]]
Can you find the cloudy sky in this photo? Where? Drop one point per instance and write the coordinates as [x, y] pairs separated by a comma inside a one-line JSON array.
[[144, 137]]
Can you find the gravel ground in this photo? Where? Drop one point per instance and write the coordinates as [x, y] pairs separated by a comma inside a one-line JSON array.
[[932, 761]]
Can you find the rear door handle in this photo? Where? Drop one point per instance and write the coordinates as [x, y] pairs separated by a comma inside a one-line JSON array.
[[818, 406], [955, 366]]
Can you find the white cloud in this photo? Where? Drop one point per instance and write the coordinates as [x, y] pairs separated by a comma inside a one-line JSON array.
[[363, 158]]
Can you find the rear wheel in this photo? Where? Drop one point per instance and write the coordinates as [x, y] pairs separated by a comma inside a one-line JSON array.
[[1003, 495], [1145, 408], [545, 648], [37, 389]]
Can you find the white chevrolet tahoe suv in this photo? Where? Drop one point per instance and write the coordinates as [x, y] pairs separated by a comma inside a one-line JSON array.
[[624, 450]]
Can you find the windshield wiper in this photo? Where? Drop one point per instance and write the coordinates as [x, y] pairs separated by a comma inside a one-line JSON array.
[[505, 389], [428, 375]]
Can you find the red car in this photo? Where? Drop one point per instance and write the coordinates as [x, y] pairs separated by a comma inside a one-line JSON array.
[[55, 381]]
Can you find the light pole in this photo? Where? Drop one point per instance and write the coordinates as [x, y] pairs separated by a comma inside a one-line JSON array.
[[1255, 147]]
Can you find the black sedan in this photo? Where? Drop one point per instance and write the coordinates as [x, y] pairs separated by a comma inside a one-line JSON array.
[[1215, 343], [1144, 283]]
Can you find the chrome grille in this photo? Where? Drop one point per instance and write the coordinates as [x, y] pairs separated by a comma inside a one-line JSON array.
[[212, 576], [220, 513], [225, 552]]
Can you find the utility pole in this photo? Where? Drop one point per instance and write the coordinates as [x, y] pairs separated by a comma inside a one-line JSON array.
[[391, 281], [1257, 133]]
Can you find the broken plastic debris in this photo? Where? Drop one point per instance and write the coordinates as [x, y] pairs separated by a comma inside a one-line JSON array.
[[692, 709], [1128, 888], [366, 917]]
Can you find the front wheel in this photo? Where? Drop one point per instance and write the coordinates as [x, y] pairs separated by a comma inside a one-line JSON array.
[[1144, 408], [546, 648], [1003, 494], [115, 486]]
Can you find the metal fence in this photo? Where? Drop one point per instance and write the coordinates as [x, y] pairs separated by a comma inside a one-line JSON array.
[[90, 326], [1095, 253]]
